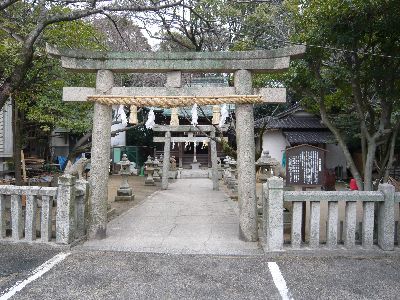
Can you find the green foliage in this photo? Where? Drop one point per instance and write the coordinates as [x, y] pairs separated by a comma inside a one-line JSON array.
[[366, 34], [140, 136], [39, 98]]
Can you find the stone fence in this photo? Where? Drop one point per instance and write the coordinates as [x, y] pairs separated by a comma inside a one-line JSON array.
[[274, 198], [65, 204]]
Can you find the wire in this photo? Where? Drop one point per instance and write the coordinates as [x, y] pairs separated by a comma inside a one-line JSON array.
[[337, 49]]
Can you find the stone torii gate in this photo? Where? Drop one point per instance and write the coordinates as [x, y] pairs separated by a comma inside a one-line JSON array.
[[242, 64], [188, 128]]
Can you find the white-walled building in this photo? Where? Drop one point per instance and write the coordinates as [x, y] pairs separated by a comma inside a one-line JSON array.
[[296, 127], [120, 138]]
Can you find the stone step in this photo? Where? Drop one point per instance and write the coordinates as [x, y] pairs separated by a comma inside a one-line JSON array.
[[194, 174]]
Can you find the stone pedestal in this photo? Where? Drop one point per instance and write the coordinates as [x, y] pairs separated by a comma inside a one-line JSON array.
[[173, 174], [125, 194], [195, 166]]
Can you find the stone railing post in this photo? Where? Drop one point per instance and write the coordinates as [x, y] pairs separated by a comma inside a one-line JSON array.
[[386, 218], [273, 213], [81, 207], [2, 216], [30, 216], [16, 217], [65, 219]]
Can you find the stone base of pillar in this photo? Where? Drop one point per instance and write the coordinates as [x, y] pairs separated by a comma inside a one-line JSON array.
[[125, 195], [157, 179], [149, 182], [233, 195], [195, 166], [172, 174]]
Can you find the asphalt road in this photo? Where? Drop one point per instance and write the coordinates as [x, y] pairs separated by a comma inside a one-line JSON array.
[[123, 275]]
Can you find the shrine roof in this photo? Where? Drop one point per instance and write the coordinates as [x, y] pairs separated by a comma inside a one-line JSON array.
[[309, 137], [290, 122]]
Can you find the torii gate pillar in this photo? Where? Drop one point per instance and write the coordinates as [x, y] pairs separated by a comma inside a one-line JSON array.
[[248, 229], [100, 158]]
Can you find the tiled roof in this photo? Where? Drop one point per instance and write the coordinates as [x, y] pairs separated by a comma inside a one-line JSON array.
[[290, 122], [309, 137]]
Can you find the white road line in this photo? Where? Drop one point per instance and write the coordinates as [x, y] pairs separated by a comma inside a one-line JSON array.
[[37, 273], [279, 281]]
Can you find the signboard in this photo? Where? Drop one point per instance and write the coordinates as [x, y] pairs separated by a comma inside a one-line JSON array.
[[305, 165]]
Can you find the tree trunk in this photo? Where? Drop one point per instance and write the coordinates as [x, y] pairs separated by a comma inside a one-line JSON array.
[[341, 142], [364, 150], [391, 150], [369, 164], [16, 144]]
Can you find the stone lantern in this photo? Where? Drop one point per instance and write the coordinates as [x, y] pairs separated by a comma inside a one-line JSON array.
[[150, 170], [156, 166], [124, 192], [160, 165], [232, 181], [226, 171], [268, 167]]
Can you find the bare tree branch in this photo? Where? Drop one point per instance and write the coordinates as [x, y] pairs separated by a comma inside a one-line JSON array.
[[6, 3]]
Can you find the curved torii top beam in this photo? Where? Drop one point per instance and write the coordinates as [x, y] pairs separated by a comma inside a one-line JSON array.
[[258, 61]]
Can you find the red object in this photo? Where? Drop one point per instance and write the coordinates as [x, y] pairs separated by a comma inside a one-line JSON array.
[[353, 185]]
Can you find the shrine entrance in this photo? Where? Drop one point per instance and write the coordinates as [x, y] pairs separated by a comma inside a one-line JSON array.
[[243, 95]]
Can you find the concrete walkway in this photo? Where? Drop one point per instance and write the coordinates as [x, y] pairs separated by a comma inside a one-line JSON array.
[[187, 218]]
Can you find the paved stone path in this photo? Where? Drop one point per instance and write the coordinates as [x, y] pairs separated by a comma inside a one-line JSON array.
[[188, 218]]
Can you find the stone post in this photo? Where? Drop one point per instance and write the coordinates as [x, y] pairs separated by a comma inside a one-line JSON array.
[[194, 152], [315, 213], [101, 143], [368, 224], [167, 149], [2, 216], [30, 217], [350, 224], [81, 207], [273, 213], [180, 145], [65, 218], [297, 220], [333, 214], [46, 219], [214, 161], [16, 217], [246, 160], [386, 218]]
